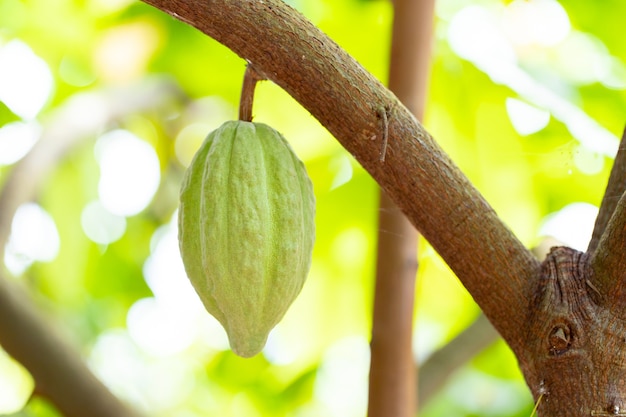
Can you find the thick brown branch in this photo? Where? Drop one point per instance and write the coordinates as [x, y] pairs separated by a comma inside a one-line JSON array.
[[25, 333], [416, 174], [614, 190]]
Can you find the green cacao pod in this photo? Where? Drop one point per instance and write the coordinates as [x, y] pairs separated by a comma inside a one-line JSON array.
[[246, 229]]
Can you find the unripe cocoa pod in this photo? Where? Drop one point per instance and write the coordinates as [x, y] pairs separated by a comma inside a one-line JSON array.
[[246, 229]]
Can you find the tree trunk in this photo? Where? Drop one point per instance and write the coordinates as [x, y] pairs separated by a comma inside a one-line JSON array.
[[576, 346]]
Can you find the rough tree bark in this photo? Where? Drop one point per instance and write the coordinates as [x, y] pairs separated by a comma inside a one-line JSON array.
[[393, 376], [564, 320]]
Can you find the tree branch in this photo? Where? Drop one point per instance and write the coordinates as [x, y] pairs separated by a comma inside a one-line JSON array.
[[441, 365], [608, 243], [418, 176], [438, 368], [25, 333], [614, 190], [250, 79], [608, 263], [393, 377], [59, 373]]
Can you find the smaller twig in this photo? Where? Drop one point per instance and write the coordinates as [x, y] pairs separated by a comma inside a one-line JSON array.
[[437, 369], [536, 405], [614, 190], [250, 78], [435, 372]]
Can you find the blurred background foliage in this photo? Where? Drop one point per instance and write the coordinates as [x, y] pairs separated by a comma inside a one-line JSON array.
[[527, 97]]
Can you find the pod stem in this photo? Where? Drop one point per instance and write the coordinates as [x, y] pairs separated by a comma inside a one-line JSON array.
[[250, 78]]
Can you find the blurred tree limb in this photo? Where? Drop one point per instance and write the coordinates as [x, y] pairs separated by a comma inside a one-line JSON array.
[[26, 333], [441, 365], [438, 368], [393, 377]]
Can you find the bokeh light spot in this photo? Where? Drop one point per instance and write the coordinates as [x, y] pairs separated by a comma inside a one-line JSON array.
[[587, 161], [16, 385], [129, 172], [164, 271], [124, 51], [581, 57], [109, 6], [100, 225], [160, 329], [559, 225], [25, 80], [526, 119], [541, 22], [34, 237], [16, 139], [147, 382], [165, 275], [474, 34], [341, 383]]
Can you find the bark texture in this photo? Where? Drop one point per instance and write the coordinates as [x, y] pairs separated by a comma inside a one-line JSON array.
[[576, 345]]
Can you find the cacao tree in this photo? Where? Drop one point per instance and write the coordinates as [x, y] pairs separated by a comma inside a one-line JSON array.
[[563, 318]]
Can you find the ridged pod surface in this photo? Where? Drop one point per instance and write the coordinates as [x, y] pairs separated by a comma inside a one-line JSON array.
[[246, 229]]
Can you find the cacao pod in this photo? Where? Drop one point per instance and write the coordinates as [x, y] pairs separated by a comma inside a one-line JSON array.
[[246, 229]]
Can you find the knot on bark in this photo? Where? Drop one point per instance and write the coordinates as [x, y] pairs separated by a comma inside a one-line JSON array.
[[559, 339]]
